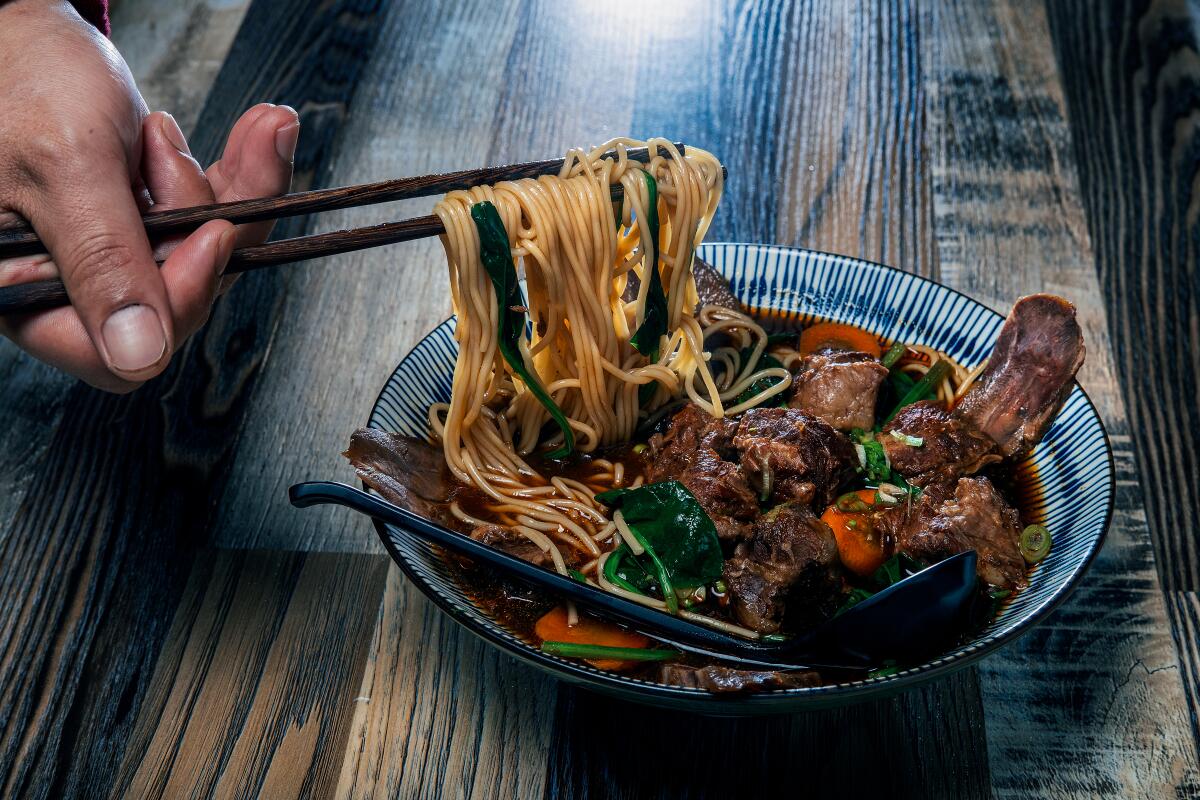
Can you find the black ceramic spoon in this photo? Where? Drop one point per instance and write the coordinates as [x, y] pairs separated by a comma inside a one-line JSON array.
[[908, 619]]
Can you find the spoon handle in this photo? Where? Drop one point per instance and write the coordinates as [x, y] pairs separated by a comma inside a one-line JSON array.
[[669, 629]]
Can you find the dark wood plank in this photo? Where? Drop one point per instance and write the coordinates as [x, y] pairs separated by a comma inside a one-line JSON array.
[[1133, 100], [605, 748], [175, 50], [1100, 675], [431, 104], [1132, 85], [441, 714], [101, 545], [257, 684]]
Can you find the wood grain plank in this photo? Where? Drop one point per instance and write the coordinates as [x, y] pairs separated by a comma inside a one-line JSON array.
[[844, 95], [614, 750], [441, 714], [101, 543], [1141, 114], [1103, 716], [175, 50], [255, 690], [1134, 102]]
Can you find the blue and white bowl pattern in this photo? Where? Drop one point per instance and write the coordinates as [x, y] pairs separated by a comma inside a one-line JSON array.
[[1074, 468]]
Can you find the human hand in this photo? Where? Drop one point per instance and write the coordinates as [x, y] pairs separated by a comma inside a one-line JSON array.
[[80, 159]]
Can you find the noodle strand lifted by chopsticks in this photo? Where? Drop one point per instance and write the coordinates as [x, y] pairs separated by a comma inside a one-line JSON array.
[[577, 253]]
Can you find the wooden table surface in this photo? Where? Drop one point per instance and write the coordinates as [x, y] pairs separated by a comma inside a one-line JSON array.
[[171, 627]]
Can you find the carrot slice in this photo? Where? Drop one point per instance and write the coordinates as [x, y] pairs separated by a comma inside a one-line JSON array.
[[836, 336], [553, 627], [859, 546]]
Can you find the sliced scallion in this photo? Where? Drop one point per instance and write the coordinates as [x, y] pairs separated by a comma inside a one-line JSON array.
[[599, 651], [927, 385], [911, 441], [1035, 543], [893, 354]]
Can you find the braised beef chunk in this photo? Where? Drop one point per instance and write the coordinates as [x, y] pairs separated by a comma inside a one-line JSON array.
[[713, 288], [840, 387], [801, 455], [1028, 376], [791, 557], [716, 678], [512, 543], [971, 516], [950, 447], [406, 471], [691, 452]]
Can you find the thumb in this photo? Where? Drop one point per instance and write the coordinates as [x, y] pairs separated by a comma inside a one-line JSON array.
[[94, 231]]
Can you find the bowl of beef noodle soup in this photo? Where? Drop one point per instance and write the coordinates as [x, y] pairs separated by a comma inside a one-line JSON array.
[[752, 437]]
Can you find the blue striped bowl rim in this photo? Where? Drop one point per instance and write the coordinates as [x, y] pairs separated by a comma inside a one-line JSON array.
[[1075, 475]]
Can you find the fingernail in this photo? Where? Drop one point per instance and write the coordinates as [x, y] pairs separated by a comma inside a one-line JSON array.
[[170, 129], [134, 338], [285, 140], [225, 247]]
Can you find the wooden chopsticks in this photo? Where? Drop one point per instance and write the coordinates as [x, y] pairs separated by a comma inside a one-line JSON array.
[[40, 295]]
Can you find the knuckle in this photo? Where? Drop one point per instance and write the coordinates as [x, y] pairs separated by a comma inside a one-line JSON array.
[[96, 265], [46, 153]]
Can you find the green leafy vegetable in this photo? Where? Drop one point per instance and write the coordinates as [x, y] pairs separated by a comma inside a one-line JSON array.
[[785, 337], [669, 522], [598, 651], [646, 393], [893, 354], [902, 384], [577, 575], [924, 387], [877, 467], [855, 597], [654, 322], [888, 668], [766, 361], [497, 260], [665, 585], [894, 570], [625, 571]]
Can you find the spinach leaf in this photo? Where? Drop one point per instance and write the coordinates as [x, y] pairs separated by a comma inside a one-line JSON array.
[[894, 570], [627, 572], [646, 393], [497, 260], [654, 322], [766, 361], [783, 337], [669, 520]]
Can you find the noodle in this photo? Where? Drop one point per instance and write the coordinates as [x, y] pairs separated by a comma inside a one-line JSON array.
[[577, 260]]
